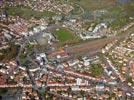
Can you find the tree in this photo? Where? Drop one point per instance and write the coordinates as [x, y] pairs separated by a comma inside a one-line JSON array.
[[69, 90], [3, 91], [82, 94]]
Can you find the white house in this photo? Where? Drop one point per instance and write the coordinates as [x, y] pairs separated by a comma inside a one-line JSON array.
[[78, 81]]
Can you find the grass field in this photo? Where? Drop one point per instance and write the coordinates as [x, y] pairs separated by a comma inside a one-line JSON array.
[[27, 12], [94, 4], [66, 36], [96, 70]]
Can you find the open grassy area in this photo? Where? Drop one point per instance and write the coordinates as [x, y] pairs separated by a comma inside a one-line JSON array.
[[94, 4], [66, 36], [96, 70], [27, 12], [121, 14]]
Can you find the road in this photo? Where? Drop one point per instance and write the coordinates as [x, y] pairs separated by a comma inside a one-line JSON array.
[[121, 85], [95, 45], [89, 46], [77, 75]]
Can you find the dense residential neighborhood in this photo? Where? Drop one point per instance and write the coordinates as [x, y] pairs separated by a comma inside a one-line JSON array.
[[66, 50]]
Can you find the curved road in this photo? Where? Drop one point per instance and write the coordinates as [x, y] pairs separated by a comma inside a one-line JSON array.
[[95, 45]]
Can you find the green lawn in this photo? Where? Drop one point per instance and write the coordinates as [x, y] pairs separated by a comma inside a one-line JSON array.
[[27, 12], [96, 70], [65, 36], [94, 4]]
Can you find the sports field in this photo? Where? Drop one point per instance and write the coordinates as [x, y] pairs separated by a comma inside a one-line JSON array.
[[65, 36]]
